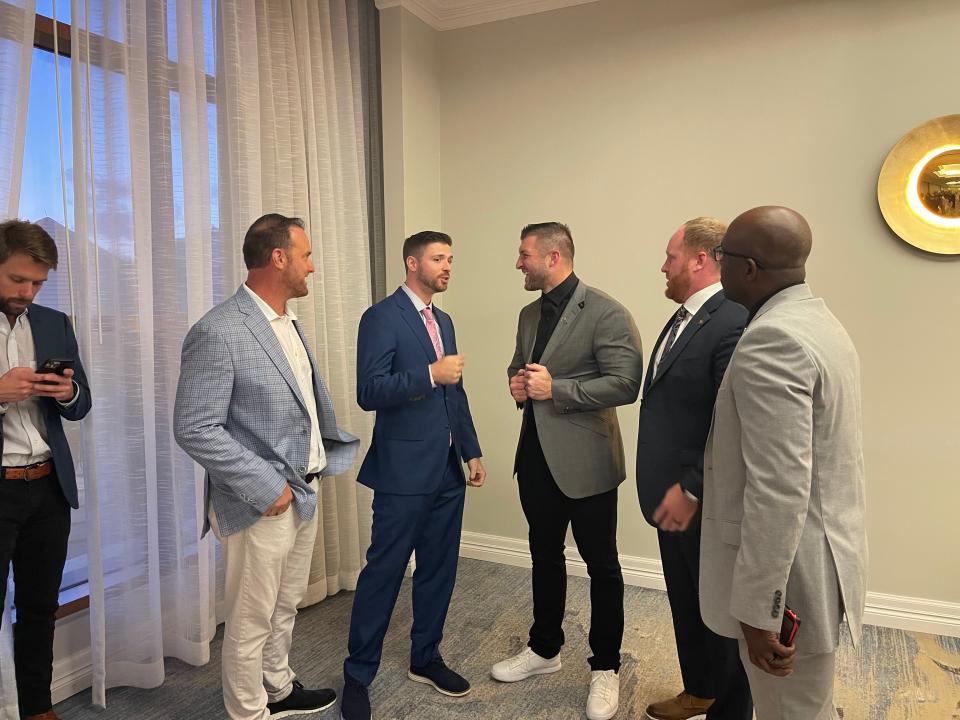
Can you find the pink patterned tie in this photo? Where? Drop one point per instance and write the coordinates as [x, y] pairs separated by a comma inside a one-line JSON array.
[[432, 331]]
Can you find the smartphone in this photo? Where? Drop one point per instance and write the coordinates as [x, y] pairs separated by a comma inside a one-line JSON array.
[[789, 627], [56, 365]]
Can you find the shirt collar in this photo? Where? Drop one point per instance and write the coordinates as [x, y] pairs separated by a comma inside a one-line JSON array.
[[417, 302], [268, 311], [562, 291], [756, 308], [700, 297], [19, 322]]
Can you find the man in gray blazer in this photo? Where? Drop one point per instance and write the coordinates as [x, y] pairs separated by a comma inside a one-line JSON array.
[[577, 358], [252, 409], [783, 510]]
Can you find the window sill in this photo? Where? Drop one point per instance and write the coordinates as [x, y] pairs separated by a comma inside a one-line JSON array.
[[73, 601]]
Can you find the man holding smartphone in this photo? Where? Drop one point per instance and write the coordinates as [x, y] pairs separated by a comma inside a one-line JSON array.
[[37, 485], [784, 496]]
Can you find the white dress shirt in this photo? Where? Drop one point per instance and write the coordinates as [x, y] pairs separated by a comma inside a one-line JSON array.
[[24, 430], [299, 361]]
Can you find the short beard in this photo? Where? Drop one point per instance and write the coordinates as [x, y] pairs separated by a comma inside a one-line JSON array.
[[434, 284], [7, 308], [533, 281]]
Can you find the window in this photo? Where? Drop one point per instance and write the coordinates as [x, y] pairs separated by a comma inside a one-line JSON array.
[[47, 199], [42, 201]]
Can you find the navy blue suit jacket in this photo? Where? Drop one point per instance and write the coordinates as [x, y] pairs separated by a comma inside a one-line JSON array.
[[415, 422], [53, 337], [678, 398]]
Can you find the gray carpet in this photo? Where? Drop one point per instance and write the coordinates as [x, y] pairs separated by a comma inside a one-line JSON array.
[[895, 675]]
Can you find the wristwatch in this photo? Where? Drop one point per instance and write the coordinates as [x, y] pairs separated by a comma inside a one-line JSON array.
[[691, 496]]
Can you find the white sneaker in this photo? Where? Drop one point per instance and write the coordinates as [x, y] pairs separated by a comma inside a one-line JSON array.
[[604, 698], [524, 665]]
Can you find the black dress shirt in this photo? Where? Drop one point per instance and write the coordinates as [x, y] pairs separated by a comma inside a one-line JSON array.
[[552, 305]]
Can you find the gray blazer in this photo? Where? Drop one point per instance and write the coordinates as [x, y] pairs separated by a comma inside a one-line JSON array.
[[783, 507], [239, 413], [596, 361]]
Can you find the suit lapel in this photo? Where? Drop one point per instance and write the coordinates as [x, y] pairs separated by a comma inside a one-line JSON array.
[[445, 328], [414, 321], [653, 357], [41, 348], [565, 324], [260, 328], [320, 393], [693, 327], [530, 333]]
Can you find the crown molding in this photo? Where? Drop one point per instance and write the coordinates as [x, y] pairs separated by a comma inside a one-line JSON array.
[[453, 14]]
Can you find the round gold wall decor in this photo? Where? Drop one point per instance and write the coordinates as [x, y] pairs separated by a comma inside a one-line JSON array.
[[919, 186]]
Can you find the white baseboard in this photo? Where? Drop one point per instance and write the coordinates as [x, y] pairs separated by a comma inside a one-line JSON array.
[[72, 668], [908, 613], [71, 675], [893, 611]]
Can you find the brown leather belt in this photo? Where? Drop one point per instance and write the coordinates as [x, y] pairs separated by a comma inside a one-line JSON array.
[[29, 472]]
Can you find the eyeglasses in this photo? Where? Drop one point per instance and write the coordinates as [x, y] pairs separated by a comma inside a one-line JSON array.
[[719, 252]]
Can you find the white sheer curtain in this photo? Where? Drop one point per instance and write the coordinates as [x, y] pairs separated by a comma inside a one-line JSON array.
[[16, 46], [190, 119]]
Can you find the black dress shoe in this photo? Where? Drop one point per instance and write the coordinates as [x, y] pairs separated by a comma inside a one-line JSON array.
[[355, 704], [301, 701], [443, 679]]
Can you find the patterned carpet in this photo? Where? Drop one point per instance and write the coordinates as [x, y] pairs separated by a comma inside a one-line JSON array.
[[894, 675]]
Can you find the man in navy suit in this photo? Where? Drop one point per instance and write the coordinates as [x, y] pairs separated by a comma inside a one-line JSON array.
[[683, 375], [409, 372], [37, 485]]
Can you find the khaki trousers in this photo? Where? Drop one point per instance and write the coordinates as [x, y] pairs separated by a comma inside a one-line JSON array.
[[267, 567], [807, 694]]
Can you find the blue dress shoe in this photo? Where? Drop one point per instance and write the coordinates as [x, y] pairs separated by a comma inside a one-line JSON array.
[[355, 704], [301, 701], [440, 677]]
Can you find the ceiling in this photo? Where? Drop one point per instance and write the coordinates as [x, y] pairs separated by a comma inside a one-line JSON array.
[[452, 14]]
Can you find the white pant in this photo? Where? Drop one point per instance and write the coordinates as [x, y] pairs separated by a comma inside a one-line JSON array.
[[267, 568], [807, 694]]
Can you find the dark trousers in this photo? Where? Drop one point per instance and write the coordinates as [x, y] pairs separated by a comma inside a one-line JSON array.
[[709, 663], [430, 525], [34, 527], [594, 519]]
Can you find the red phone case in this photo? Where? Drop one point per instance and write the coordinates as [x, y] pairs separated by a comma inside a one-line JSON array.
[[789, 627]]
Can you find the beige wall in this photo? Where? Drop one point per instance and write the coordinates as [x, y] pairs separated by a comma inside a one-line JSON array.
[[624, 120], [411, 131]]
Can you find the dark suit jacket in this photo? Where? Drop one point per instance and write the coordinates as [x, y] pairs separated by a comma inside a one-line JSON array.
[[415, 422], [53, 337], [678, 401]]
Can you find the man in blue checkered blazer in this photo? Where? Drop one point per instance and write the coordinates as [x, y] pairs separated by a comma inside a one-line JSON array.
[[252, 409]]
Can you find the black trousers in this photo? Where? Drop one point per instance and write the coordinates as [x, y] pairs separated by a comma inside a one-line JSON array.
[[594, 519], [34, 528], [709, 663]]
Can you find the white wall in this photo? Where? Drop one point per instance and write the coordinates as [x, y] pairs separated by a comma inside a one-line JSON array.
[[624, 119]]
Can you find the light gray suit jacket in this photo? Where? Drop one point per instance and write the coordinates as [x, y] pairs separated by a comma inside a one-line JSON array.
[[784, 497], [239, 413], [596, 362]]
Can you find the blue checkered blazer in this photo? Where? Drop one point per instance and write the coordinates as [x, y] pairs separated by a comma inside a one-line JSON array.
[[239, 413]]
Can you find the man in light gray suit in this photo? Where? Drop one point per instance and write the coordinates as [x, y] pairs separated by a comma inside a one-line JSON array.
[[253, 410], [783, 511], [577, 358]]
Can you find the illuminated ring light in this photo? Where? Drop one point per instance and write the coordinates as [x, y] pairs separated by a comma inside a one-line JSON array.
[[898, 189]]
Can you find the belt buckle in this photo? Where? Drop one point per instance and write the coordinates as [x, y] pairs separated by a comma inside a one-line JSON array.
[[33, 471]]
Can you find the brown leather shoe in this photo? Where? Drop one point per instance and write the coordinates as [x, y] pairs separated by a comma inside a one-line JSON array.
[[48, 715], [683, 707]]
